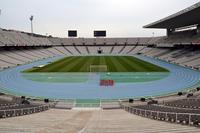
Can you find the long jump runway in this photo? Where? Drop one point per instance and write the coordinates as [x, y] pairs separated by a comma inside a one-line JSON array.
[[12, 81]]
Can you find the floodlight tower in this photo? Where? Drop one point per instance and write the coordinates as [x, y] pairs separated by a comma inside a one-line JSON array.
[[31, 19]]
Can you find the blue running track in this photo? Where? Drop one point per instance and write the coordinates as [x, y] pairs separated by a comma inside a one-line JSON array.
[[12, 81]]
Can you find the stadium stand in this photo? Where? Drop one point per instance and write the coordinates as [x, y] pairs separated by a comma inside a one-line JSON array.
[[182, 48], [12, 107], [185, 103], [179, 47], [183, 55], [184, 111], [99, 121]]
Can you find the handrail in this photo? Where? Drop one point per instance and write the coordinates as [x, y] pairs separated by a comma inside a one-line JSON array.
[[188, 120], [172, 107], [25, 108], [162, 111]]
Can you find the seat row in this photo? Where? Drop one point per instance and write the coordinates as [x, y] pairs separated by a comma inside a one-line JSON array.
[[172, 116]]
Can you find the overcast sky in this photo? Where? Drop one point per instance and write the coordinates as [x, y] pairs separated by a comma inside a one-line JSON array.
[[121, 18]]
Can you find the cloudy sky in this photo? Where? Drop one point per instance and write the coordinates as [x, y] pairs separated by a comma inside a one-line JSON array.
[[121, 18]]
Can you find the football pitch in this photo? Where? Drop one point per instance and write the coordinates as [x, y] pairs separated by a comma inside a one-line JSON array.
[[99, 64]]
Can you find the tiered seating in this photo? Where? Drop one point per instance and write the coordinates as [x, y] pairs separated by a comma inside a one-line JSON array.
[[185, 103], [111, 41], [14, 57], [117, 49], [188, 56], [99, 41], [62, 50], [118, 121], [121, 41], [145, 50], [78, 41], [98, 121], [127, 49], [55, 52], [56, 41], [184, 37], [154, 40], [104, 41], [4, 39], [193, 55], [137, 49], [180, 111], [132, 41], [108, 50], [89, 41], [10, 60], [93, 49], [12, 109], [72, 49], [82, 49], [144, 41], [167, 109], [17, 38]]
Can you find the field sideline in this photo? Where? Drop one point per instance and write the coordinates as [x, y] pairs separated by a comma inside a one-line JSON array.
[[113, 63]]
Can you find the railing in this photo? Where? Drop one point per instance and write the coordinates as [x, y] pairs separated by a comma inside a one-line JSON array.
[[22, 111], [88, 105], [182, 118]]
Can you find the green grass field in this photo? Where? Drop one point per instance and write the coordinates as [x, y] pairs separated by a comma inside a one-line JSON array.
[[113, 63]]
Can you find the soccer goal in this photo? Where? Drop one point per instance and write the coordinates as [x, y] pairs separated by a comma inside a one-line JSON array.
[[98, 68]]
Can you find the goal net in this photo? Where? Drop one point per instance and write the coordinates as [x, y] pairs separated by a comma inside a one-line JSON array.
[[98, 68]]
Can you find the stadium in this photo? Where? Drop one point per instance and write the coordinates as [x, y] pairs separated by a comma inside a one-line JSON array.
[[101, 84]]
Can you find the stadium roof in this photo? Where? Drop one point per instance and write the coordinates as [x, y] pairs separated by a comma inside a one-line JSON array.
[[186, 17]]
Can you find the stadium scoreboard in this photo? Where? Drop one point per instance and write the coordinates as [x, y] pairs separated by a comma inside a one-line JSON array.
[[72, 33], [100, 33]]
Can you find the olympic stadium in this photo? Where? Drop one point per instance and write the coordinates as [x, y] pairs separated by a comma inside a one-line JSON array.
[[100, 84]]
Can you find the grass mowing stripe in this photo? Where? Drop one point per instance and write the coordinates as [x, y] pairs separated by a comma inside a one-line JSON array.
[[71, 64], [117, 62], [114, 64], [86, 66], [96, 61], [146, 65], [134, 66], [76, 65], [102, 60], [54, 66], [140, 64], [111, 65], [129, 66]]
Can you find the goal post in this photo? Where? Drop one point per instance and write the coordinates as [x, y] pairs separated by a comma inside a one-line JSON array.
[[98, 68]]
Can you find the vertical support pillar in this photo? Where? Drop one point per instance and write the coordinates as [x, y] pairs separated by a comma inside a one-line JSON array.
[[198, 29], [14, 114], [4, 113], [189, 119], [22, 112], [170, 31], [157, 115]]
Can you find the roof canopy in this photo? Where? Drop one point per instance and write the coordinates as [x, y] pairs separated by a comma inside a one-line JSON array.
[[186, 17]]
